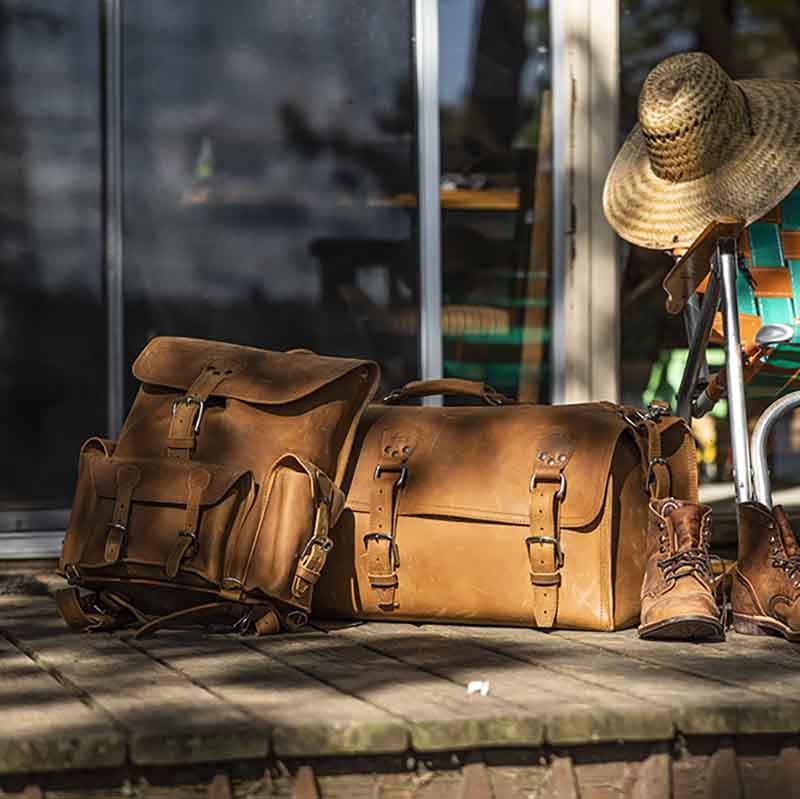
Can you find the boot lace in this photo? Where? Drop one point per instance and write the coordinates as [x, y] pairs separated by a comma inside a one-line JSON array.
[[791, 566], [687, 561]]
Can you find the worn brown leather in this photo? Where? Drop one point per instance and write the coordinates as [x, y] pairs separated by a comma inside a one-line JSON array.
[[765, 596], [507, 514], [678, 589], [216, 502]]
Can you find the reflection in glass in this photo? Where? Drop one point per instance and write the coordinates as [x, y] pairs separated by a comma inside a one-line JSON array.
[[265, 152], [52, 325], [495, 192]]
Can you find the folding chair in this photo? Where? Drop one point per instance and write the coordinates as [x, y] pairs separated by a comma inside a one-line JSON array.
[[753, 275]]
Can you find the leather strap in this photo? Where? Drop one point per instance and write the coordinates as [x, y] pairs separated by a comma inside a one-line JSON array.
[[547, 490], [68, 603], [100, 611], [266, 622], [312, 559], [198, 481], [187, 411], [128, 477], [381, 556]]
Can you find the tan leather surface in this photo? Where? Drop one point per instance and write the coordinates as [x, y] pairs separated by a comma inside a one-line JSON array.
[[226, 492], [463, 516]]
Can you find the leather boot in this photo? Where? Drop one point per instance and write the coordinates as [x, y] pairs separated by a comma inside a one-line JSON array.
[[678, 589], [766, 585]]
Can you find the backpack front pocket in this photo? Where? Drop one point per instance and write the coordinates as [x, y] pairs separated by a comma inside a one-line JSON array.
[[282, 555], [156, 518]]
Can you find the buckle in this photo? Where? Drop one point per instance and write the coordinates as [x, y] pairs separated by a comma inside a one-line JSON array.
[[562, 487], [295, 619], [191, 400], [118, 526], [546, 539], [325, 544], [72, 573], [651, 472], [656, 409], [195, 545], [245, 624], [402, 469], [392, 545]]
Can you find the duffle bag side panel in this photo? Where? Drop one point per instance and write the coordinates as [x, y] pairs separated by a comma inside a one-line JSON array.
[[627, 540]]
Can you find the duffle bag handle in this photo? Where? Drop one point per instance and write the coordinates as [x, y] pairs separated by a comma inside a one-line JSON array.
[[452, 387]]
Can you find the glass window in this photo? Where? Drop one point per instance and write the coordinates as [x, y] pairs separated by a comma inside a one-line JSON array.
[[269, 158], [496, 193], [749, 39], [52, 323]]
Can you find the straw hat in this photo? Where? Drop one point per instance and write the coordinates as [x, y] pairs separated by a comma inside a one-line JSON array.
[[705, 146]]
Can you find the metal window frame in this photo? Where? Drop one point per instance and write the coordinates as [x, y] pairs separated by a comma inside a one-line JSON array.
[[426, 62], [39, 532]]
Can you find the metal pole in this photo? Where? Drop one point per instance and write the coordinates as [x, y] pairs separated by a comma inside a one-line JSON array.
[[699, 329], [561, 108], [737, 410], [426, 51], [762, 490], [111, 22]]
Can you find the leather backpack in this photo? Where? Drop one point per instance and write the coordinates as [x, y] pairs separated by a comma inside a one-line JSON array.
[[216, 502]]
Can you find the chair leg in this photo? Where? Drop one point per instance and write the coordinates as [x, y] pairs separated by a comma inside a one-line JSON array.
[[698, 324], [762, 490], [727, 260]]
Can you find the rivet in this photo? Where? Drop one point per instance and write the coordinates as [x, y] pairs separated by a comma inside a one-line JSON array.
[[551, 462], [406, 450], [387, 450], [562, 458]]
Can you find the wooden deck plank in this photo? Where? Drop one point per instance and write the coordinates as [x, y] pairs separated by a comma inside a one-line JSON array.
[[699, 705], [573, 711], [167, 718], [45, 727], [305, 717], [440, 715], [773, 672]]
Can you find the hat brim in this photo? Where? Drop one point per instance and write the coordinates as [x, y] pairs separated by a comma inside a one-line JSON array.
[[760, 170]]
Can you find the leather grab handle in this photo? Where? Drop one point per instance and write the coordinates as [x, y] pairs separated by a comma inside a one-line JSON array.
[[450, 387]]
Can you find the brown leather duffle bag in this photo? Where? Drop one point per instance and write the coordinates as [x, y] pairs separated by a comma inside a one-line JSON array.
[[503, 514], [215, 504]]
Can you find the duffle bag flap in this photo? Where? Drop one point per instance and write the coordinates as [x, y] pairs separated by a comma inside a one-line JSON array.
[[197, 370], [154, 519], [282, 555]]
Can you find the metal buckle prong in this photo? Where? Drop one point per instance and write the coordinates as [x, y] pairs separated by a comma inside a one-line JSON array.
[[189, 399], [562, 485], [651, 472], [402, 469], [546, 539], [392, 545], [195, 545], [325, 544], [118, 526]]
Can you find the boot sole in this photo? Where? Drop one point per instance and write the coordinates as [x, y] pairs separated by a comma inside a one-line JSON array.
[[764, 625], [682, 628]]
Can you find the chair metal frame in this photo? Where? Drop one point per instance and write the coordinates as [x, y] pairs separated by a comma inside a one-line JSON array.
[[750, 471]]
